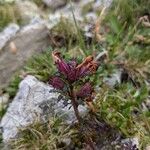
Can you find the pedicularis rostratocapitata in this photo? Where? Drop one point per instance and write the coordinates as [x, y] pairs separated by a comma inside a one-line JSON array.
[[72, 79]]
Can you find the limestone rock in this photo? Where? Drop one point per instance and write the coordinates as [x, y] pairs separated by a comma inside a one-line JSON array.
[[30, 40], [54, 4], [130, 143], [35, 101], [9, 32]]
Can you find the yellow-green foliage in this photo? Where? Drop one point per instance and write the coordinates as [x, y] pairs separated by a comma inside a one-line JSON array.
[[40, 65], [65, 33], [122, 108], [38, 2], [129, 10], [87, 8], [8, 13], [46, 136]]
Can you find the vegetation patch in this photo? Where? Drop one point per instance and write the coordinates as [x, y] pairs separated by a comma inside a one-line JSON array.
[[64, 34], [122, 109], [53, 134], [38, 2], [8, 14]]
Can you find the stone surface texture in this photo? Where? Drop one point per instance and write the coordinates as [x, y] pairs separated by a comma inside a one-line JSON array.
[[9, 32], [30, 40], [35, 101], [54, 4]]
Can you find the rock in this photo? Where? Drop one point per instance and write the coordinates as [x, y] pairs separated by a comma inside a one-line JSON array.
[[91, 17], [113, 79], [9, 32], [55, 4], [65, 13], [30, 40], [100, 4], [37, 19], [28, 10], [67, 141], [130, 143], [35, 101]]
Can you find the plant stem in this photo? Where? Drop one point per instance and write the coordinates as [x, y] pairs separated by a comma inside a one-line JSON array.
[[74, 103], [75, 107]]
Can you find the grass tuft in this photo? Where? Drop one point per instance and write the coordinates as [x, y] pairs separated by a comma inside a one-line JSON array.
[[46, 136], [122, 108], [64, 34], [40, 65]]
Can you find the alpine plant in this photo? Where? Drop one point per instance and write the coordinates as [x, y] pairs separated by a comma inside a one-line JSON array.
[[70, 78]]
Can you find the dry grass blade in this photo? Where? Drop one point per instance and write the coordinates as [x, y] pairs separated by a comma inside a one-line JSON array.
[[98, 25]]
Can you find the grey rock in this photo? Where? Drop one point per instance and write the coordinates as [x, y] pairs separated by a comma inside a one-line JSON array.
[[67, 141], [37, 19], [35, 101], [30, 40], [54, 4], [113, 79], [9, 32], [130, 143], [91, 16], [66, 13], [102, 3], [87, 30]]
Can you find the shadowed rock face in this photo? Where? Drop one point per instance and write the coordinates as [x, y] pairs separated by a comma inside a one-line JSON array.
[[55, 4], [35, 101], [26, 43]]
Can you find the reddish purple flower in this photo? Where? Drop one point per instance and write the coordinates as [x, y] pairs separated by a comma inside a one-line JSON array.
[[85, 91], [57, 83], [71, 70]]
